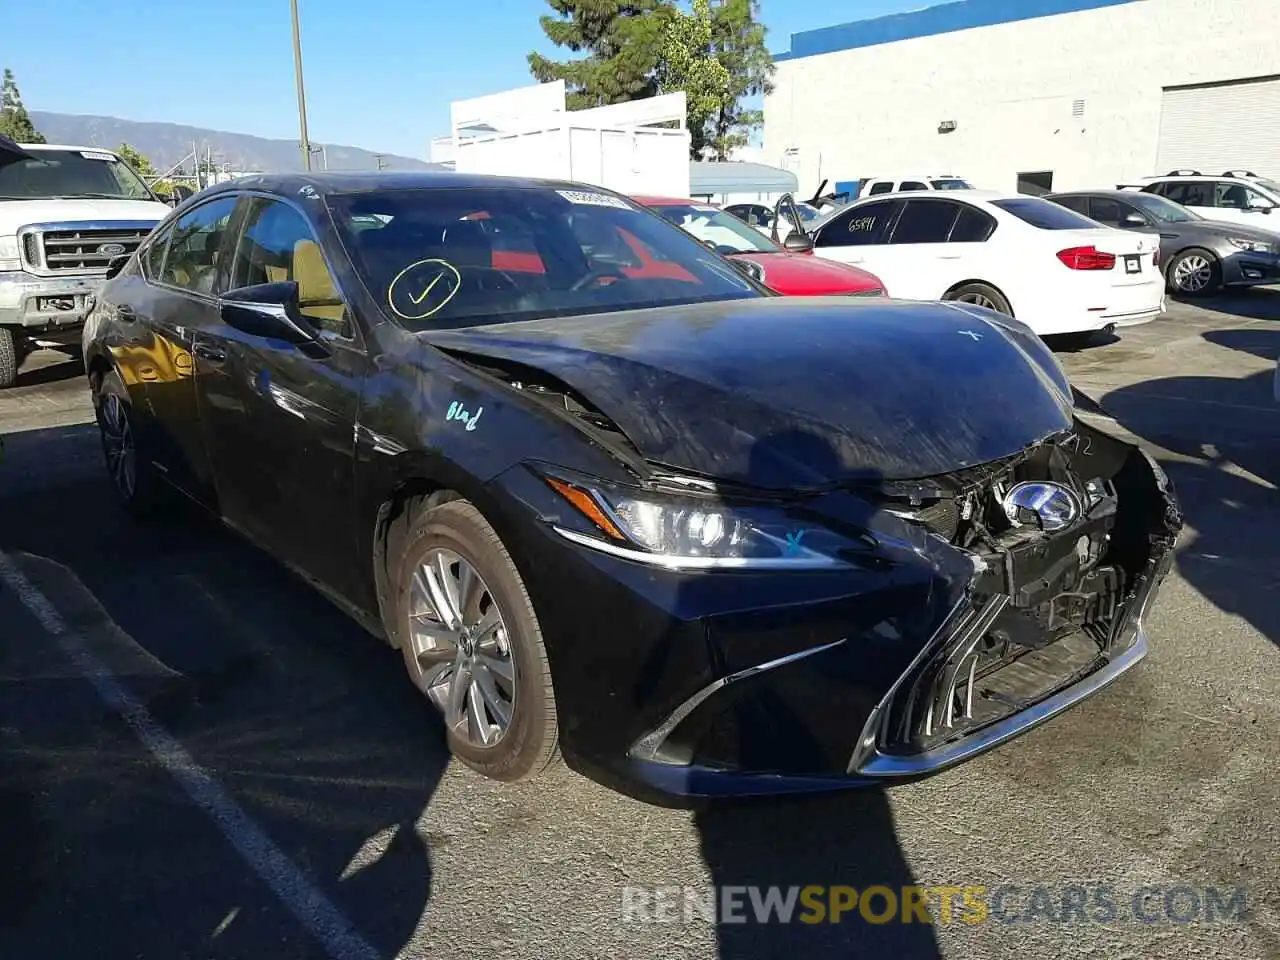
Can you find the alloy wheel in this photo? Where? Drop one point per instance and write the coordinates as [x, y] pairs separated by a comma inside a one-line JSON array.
[[978, 300], [118, 445], [1192, 274], [461, 648]]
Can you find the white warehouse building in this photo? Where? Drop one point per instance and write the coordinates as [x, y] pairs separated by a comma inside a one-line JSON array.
[[1032, 94]]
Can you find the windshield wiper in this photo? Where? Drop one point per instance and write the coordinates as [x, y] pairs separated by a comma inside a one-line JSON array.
[[90, 196], [2, 197]]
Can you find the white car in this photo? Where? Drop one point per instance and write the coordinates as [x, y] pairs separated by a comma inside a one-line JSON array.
[[1053, 269], [875, 186], [1237, 196]]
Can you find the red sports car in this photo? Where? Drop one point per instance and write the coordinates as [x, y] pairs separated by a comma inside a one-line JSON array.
[[791, 269]]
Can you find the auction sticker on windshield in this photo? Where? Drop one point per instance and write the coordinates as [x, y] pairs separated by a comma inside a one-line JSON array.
[[423, 289], [95, 155], [593, 199]]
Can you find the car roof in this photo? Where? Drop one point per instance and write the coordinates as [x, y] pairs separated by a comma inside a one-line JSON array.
[[974, 194], [1201, 176], [663, 201], [33, 147], [329, 184], [1110, 194]]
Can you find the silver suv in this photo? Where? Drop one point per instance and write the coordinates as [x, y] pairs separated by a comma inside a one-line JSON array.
[[1237, 196]]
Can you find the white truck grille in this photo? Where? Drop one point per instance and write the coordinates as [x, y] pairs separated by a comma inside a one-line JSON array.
[[56, 249]]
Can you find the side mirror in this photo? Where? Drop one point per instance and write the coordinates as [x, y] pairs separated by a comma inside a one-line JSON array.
[[798, 242], [1133, 220], [270, 311], [116, 264], [1261, 203]]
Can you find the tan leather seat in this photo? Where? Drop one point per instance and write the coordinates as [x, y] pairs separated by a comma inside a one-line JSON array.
[[317, 296]]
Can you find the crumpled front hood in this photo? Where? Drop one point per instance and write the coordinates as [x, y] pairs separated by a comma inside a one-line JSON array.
[[18, 213], [792, 393]]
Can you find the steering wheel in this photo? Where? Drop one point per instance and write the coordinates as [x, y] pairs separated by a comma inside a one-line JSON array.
[[485, 277], [596, 275]]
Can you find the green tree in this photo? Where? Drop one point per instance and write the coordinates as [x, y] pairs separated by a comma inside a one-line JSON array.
[[738, 39], [622, 42], [14, 121], [133, 158], [689, 64]]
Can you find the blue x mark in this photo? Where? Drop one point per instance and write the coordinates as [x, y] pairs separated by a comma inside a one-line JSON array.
[[793, 543]]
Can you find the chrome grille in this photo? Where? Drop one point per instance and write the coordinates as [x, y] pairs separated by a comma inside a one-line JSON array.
[[53, 249], [77, 250]]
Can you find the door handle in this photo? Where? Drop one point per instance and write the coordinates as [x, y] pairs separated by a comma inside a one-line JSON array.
[[948, 256], [210, 353], [126, 313]]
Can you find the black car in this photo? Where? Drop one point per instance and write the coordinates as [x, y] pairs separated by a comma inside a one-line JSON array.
[[613, 500], [1200, 256]]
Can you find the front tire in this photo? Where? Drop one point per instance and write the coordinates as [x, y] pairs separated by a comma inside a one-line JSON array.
[[472, 643], [134, 477], [1194, 273], [981, 295], [10, 357]]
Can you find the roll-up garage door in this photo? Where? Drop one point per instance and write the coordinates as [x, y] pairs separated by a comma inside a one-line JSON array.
[[1227, 126]]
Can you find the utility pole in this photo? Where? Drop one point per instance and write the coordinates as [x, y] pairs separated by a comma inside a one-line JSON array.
[[381, 160], [302, 93]]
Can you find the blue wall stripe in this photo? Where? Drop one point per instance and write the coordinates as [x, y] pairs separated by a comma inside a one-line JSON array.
[[947, 18]]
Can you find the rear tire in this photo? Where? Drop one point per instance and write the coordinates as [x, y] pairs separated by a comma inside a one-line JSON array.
[[981, 295], [139, 485], [10, 357], [476, 653], [1194, 273]]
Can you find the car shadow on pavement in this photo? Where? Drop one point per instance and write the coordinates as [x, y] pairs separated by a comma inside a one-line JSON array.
[[846, 839], [1231, 427], [1248, 303], [840, 839], [48, 366], [307, 722]]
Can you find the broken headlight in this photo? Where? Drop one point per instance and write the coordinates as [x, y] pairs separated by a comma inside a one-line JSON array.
[[694, 533]]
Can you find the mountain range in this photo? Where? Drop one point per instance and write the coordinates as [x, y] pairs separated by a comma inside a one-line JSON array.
[[165, 144]]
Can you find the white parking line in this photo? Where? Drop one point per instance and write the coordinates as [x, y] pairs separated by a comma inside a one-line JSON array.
[[302, 898]]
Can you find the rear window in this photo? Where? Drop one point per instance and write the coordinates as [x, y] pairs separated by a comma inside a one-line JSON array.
[[952, 183], [1044, 214]]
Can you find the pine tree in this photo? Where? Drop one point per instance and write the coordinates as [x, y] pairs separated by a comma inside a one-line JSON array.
[[622, 40], [14, 121]]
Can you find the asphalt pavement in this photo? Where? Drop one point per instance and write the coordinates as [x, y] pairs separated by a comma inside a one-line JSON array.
[[200, 757]]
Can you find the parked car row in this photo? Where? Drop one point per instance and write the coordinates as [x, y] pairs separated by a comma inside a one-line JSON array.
[[615, 501], [1060, 263]]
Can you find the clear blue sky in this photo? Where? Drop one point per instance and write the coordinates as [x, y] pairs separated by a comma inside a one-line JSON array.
[[380, 73]]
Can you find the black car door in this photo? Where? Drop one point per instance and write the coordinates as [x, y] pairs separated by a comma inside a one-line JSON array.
[[279, 419], [174, 295]]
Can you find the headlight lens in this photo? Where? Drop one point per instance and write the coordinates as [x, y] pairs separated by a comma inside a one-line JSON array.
[[9, 254], [685, 533], [1255, 246]]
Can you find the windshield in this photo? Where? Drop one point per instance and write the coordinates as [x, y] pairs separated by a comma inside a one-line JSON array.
[[69, 174], [723, 231], [1161, 208], [1269, 184], [954, 183], [807, 212], [448, 258]]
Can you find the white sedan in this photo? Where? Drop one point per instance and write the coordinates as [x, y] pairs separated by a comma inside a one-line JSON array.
[[1053, 269]]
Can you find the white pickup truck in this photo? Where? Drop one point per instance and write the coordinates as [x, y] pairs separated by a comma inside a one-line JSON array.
[[65, 214]]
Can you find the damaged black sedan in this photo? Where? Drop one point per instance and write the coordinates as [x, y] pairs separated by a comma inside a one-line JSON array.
[[614, 501]]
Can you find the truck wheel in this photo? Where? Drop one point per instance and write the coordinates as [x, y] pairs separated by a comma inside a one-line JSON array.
[[472, 643], [10, 357]]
